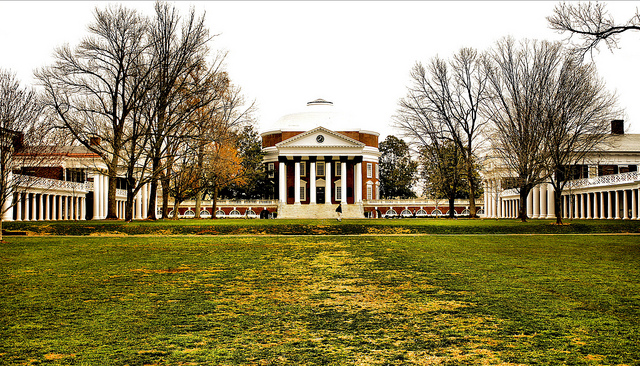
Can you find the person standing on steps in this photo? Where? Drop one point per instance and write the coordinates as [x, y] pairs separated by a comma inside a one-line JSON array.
[[339, 211]]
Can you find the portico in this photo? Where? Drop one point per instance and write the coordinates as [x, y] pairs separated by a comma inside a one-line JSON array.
[[315, 165]]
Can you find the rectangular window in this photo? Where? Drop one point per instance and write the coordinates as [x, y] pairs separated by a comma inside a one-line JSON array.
[[369, 192], [377, 171], [271, 170], [303, 193], [303, 169], [369, 170], [338, 193], [320, 169], [338, 169]]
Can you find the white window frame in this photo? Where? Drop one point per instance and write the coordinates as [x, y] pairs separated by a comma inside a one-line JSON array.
[[338, 190], [369, 192], [320, 171], [303, 168], [369, 170], [337, 171], [271, 170], [303, 191]]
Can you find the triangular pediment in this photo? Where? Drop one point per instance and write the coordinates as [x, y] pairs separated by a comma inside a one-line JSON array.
[[320, 137]]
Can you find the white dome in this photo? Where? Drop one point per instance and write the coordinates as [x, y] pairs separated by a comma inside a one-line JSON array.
[[317, 113]]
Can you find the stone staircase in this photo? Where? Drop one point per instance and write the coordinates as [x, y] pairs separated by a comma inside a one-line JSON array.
[[320, 211]]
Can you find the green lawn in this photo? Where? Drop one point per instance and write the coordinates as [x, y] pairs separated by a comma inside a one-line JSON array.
[[324, 227], [493, 299]]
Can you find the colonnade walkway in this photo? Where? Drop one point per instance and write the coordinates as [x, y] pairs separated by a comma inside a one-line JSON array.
[[605, 197]]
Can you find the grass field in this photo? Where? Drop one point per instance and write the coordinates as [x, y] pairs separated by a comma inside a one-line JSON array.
[[323, 227], [461, 299]]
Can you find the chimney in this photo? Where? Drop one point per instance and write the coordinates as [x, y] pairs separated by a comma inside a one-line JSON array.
[[617, 127], [94, 141]]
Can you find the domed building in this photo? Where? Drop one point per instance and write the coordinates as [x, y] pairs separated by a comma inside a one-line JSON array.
[[318, 158]]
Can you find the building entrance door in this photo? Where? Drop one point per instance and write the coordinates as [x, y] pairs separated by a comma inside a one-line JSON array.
[[320, 194]]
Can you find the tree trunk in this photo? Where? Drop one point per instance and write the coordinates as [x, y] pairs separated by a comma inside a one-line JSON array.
[[452, 206], [214, 202], [112, 213], [522, 212], [557, 200], [199, 172], [128, 207], [176, 204], [155, 165], [472, 192], [198, 204]]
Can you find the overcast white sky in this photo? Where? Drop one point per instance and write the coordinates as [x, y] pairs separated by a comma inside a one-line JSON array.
[[355, 54]]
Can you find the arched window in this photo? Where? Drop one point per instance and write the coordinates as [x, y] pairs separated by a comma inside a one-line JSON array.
[[480, 211], [406, 213], [436, 212], [189, 214], [220, 214], [235, 214], [250, 214], [170, 214], [391, 213], [205, 214], [421, 213], [465, 212]]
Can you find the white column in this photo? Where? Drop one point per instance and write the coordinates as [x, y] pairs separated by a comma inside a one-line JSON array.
[[576, 213], [54, 207], [588, 199], [530, 204], [105, 196], [7, 210], [327, 188], [145, 201], [617, 206], [296, 182], [72, 208], [19, 206], [358, 195], [611, 205], [498, 199], [536, 202], [138, 199], [485, 196], [312, 182], [40, 208], [551, 202], [602, 205], [625, 205], [543, 201], [27, 206], [343, 179], [33, 207], [282, 182], [46, 206], [96, 196], [83, 204], [634, 204]]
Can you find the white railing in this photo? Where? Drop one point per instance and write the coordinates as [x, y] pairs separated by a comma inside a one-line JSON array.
[[415, 202], [29, 182], [510, 192], [243, 202], [621, 178]]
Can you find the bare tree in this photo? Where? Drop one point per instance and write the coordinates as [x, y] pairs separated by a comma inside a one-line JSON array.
[[579, 110], [452, 93], [592, 23], [19, 114], [520, 77], [179, 48], [93, 89]]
